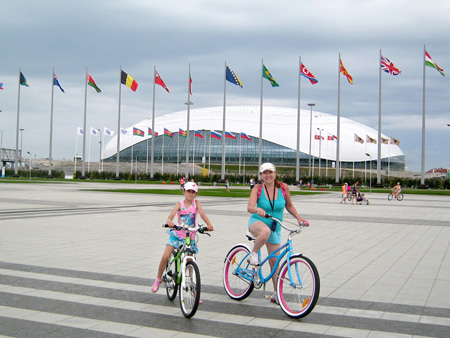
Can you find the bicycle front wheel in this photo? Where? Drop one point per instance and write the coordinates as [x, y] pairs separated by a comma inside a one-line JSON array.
[[170, 278], [400, 196], [298, 298], [236, 286], [190, 289], [349, 197], [390, 197]]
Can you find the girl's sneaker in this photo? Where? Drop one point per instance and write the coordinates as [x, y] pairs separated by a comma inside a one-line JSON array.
[[155, 286]]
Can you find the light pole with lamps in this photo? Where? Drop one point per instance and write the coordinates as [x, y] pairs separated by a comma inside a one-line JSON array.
[[21, 139], [370, 173], [310, 134], [30, 163], [320, 146]]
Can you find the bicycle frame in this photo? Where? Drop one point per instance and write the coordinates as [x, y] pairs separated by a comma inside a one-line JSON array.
[[287, 248]]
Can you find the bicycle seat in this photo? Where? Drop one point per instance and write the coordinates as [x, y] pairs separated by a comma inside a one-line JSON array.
[[250, 236]]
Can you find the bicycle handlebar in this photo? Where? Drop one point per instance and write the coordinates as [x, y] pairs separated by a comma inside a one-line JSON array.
[[200, 228], [303, 224]]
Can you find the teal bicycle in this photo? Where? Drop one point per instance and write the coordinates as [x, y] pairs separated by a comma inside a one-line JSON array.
[[182, 273], [298, 282]]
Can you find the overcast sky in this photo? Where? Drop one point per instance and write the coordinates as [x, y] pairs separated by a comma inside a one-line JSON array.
[[139, 34]]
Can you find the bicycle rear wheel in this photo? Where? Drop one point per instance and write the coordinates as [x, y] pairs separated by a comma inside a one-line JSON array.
[[390, 197], [297, 300], [190, 291], [400, 196], [236, 286], [170, 277], [349, 197]]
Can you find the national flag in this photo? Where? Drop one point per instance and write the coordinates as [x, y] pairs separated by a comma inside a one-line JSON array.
[[1, 85], [168, 133], [318, 137], [359, 139], [94, 131], [245, 136], [91, 82], [268, 76], [138, 132], [108, 131], [306, 73], [182, 133], [370, 140], [232, 77], [23, 80], [198, 134], [384, 140], [215, 134], [160, 82], [128, 81], [331, 137], [124, 132], [56, 82], [345, 73], [190, 83], [229, 135], [150, 132], [430, 63], [388, 66], [80, 131], [394, 141]]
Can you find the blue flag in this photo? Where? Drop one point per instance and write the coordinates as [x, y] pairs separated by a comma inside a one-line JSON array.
[[232, 77], [56, 82], [23, 80]]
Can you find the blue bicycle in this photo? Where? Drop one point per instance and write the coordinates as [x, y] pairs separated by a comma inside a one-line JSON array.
[[298, 282]]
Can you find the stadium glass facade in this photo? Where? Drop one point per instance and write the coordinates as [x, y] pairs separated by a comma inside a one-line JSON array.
[[209, 150]]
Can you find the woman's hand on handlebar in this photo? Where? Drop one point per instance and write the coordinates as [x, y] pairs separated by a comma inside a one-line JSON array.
[[261, 212]]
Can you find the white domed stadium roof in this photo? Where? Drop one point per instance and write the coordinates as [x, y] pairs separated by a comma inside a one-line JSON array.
[[279, 126]]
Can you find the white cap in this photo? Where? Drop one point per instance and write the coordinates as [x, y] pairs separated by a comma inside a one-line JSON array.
[[191, 186], [266, 166]]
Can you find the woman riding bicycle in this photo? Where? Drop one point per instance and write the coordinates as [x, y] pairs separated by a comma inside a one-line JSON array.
[[396, 190], [271, 197]]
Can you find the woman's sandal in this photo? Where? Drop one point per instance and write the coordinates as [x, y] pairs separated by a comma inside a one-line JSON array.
[[155, 286]]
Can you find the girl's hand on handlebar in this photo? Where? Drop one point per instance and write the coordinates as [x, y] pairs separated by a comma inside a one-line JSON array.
[[209, 228], [170, 224]]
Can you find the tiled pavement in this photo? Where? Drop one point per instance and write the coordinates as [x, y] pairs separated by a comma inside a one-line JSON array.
[[80, 263]]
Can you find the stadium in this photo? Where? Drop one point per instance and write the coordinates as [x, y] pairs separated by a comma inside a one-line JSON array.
[[279, 133]]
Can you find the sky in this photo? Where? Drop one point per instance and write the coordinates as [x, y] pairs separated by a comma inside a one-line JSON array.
[[137, 35]]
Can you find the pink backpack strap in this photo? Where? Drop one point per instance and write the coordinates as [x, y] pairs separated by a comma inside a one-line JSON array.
[[283, 190], [259, 191]]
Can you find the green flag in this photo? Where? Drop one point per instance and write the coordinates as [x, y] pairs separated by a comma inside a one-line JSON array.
[[268, 76]]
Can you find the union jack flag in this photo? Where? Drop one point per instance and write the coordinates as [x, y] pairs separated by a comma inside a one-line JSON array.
[[388, 66]]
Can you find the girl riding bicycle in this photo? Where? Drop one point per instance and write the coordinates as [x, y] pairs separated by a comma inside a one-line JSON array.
[[271, 197], [187, 211]]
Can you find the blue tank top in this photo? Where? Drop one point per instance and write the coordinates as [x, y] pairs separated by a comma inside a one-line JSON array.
[[277, 212]]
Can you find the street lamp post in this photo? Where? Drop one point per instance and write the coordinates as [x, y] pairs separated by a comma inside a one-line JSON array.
[[320, 146], [21, 139], [30, 163], [370, 173], [310, 134]]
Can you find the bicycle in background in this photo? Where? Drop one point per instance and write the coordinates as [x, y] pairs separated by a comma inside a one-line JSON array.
[[182, 273], [298, 282], [399, 196]]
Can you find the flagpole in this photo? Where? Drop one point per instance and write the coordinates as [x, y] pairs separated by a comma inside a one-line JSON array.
[[162, 158], [209, 156], [188, 118], [178, 149], [89, 152], [16, 160], [152, 160], [422, 175], [118, 126], [297, 172], [260, 119], [51, 128], [193, 156], [222, 175], [338, 122], [83, 163], [379, 126], [240, 150], [76, 151]]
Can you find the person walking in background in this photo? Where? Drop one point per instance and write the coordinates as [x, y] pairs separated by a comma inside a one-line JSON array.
[[344, 193]]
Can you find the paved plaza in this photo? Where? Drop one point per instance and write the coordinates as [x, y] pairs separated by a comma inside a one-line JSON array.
[[80, 263]]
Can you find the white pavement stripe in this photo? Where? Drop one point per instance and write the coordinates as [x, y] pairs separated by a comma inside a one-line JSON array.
[[391, 316]]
